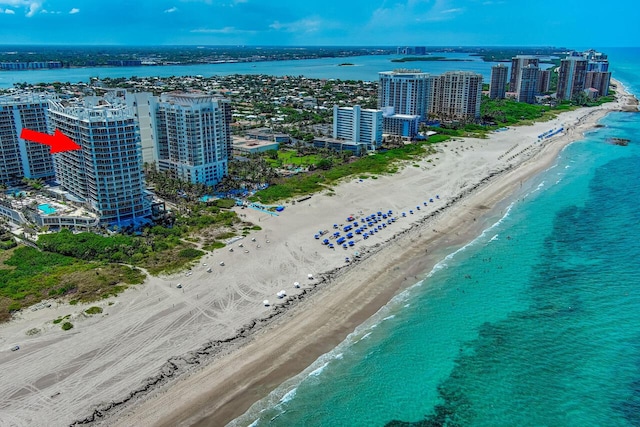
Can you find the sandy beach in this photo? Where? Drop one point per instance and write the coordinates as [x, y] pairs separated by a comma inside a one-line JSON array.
[[202, 354]]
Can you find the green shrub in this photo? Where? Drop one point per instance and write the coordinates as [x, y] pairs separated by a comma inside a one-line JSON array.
[[190, 253], [93, 310], [225, 203], [213, 245], [66, 326]]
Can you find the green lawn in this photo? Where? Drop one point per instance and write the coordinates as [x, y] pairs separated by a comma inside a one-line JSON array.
[[290, 157]]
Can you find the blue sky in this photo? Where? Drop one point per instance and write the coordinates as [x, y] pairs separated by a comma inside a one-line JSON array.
[[569, 23]]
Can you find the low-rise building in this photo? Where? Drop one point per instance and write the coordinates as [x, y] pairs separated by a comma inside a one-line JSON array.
[[357, 148], [266, 134], [244, 146], [402, 125]]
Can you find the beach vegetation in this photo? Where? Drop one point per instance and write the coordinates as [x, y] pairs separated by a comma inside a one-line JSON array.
[[93, 310], [508, 112], [33, 331], [61, 318], [28, 275], [435, 139], [211, 246], [190, 253], [158, 249], [379, 163], [66, 326], [224, 203]]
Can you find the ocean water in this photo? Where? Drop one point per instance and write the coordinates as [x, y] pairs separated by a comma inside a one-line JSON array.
[[534, 323]]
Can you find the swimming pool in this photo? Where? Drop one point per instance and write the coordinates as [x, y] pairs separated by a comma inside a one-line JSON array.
[[46, 209]]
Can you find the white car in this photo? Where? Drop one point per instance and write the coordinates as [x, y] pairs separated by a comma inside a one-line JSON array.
[[15, 348], [179, 286]]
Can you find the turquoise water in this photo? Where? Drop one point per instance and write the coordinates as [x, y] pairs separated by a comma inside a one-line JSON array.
[[48, 210], [535, 323]]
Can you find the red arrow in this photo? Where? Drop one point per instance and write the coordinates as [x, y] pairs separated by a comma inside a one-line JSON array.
[[58, 142]]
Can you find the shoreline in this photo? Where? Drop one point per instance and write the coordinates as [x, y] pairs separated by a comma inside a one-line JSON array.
[[233, 395], [234, 351]]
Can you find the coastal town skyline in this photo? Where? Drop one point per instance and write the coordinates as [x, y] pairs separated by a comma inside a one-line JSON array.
[[286, 23]]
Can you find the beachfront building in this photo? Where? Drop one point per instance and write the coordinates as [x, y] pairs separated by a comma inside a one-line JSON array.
[[139, 103], [105, 174], [544, 81], [340, 145], [571, 77], [405, 126], [518, 62], [599, 81], [455, 96], [497, 87], [192, 136], [20, 158], [358, 125], [527, 84], [407, 91], [598, 61]]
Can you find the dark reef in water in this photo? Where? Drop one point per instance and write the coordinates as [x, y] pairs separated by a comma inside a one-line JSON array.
[[620, 141]]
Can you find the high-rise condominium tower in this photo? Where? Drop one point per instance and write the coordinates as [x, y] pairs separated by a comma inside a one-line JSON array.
[[358, 125], [455, 95], [20, 158], [498, 84], [571, 77], [407, 91], [528, 83], [517, 63], [192, 135], [106, 173]]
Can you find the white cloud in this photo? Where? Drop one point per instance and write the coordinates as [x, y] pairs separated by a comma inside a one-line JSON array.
[[225, 30], [74, 11], [306, 25], [171, 10], [9, 12], [32, 6], [418, 10]]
